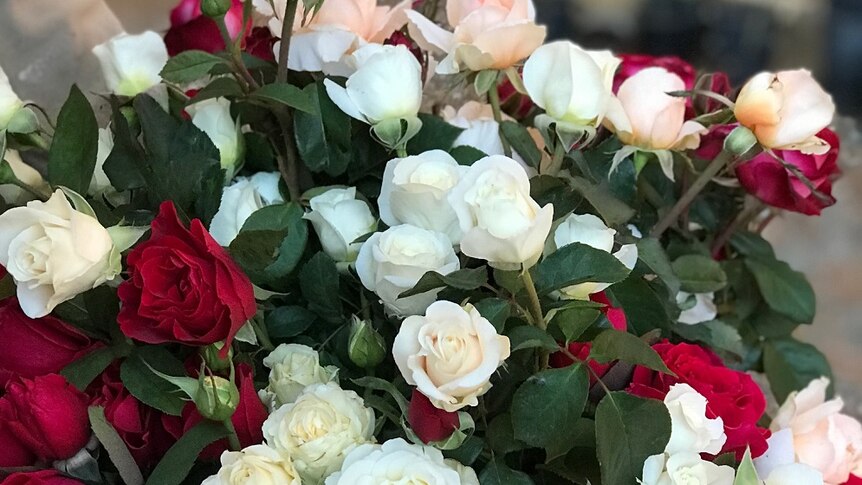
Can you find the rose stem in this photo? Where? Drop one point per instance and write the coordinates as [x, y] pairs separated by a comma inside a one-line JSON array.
[[536, 312], [740, 221], [232, 437], [494, 99], [287, 164]]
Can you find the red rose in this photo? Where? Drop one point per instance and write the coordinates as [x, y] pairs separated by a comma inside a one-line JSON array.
[[247, 419], [712, 143], [191, 30], [13, 453], [428, 422], [139, 425], [260, 43], [718, 83], [515, 104], [31, 348], [768, 180], [854, 480], [634, 63], [183, 287], [48, 415], [41, 477], [732, 395]]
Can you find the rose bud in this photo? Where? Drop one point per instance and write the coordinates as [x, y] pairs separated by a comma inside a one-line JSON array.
[[48, 415], [339, 219], [216, 398], [193, 29], [366, 347], [427, 421], [214, 358], [31, 348], [215, 8], [41, 477]]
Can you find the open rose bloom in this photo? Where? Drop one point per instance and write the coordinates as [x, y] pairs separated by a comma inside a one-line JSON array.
[[357, 242]]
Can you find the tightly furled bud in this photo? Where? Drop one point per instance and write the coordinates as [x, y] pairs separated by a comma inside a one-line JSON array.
[[216, 398], [215, 8], [367, 348]]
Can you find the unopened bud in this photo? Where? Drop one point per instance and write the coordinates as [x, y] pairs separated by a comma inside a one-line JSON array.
[[216, 398], [740, 141], [215, 8], [212, 355], [366, 348]]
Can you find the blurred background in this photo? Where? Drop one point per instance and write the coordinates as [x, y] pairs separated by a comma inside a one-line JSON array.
[[46, 45]]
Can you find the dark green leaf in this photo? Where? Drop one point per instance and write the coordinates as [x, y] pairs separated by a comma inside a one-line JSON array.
[[653, 255], [497, 473], [613, 345], [180, 458], [319, 283], [752, 245], [523, 144], [573, 322], [463, 279], [323, 136], [149, 388], [786, 291], [645, 310], [271, 243], [378, 384], [530, 337], [190, 66], [81, 372], [578, 263], [546, 189], [629, 429], [126, 164], [219, 88], [614, 211], [715, 334], [72, 158], [435, 134], [496, 310], [115, 446], [288, 321], [501, 435], [288, 95], [699, 274], [547, 406], [790, 365], [466, 155]]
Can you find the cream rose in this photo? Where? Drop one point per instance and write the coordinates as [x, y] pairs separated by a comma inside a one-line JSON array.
[[26, 174], [685, 469], [646, 118], [786, 110], [793, 474], [393, 261], [701, 309], [397, 461], [339, 219], [691, 430], [212, 116], [573, 85], [240, 200], [255, 465], [823, 438], [54, 253], [131, 64], [488, 34], [449, 354], [415, 191], [293, 367], [502, 224], [320, 429], [590, 230], [14, 117]]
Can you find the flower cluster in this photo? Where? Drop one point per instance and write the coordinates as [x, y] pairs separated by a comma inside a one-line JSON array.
[[274, 265]]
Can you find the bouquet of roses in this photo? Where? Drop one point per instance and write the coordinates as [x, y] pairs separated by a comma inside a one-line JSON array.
[[332, 242]]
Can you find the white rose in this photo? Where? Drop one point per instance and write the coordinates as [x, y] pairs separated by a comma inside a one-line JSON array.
[[255, 465], [240, 200], [685, 469], [590, 230], [502, 224], [54, 253], [691, 430], [823, 438], [793, 474], [24, 173], [574, 86], [387, 85], [778, 464], [339, 219], [320, 429], [393, 261], [449, 354], [293, 367], [212, 116], [14, 117], [131, 64], [704, 309], [416, 190], [397, 461]]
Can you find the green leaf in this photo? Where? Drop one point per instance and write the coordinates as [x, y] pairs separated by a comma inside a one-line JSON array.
[[699, 274], [715, 334], [115, 446], [573, 322], [501, 435], [530, 337], [288, 322], [81, 372], [271, 243], [287, 95], [790, 365], [126, 164], [190, 66], [323, 136], [578, 263], [497, 473], [547, 406], [614, 211], [495, 310], [786, 291], [485, 81], [645, 310], [180, 458], [752, 245], [463, 279], [651, 252], [435, 134], [546, 189], [149, 388], [72, 158], [219, 88], [378, 384], [613, 345], [466, 155], [746, 474], [319, 283], [523, 144], [629, 429]]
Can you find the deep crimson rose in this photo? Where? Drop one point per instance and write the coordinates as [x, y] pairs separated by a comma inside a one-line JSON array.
[[768, 180], [260, 43], [515, 104], [139, 425], [31, 348], [717, 82], [3, 272], [191, 30], [183, 287], [48, 416], [13, 453], [247, 419], [634, 63], [854, 480], [41, 477], [428, 422], [732, 395], [712, 143]]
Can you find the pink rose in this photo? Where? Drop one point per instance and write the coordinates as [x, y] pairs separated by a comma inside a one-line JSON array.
[[635, 63], [192, 30]]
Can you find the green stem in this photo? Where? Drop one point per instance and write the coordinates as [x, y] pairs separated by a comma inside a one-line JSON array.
[[740, 221], [262, 334], [557, 160], [233, 48], [232, 437], [494, 99], [538, 316], [688, 197], [401, 151], [286, 32], [288, 164]]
